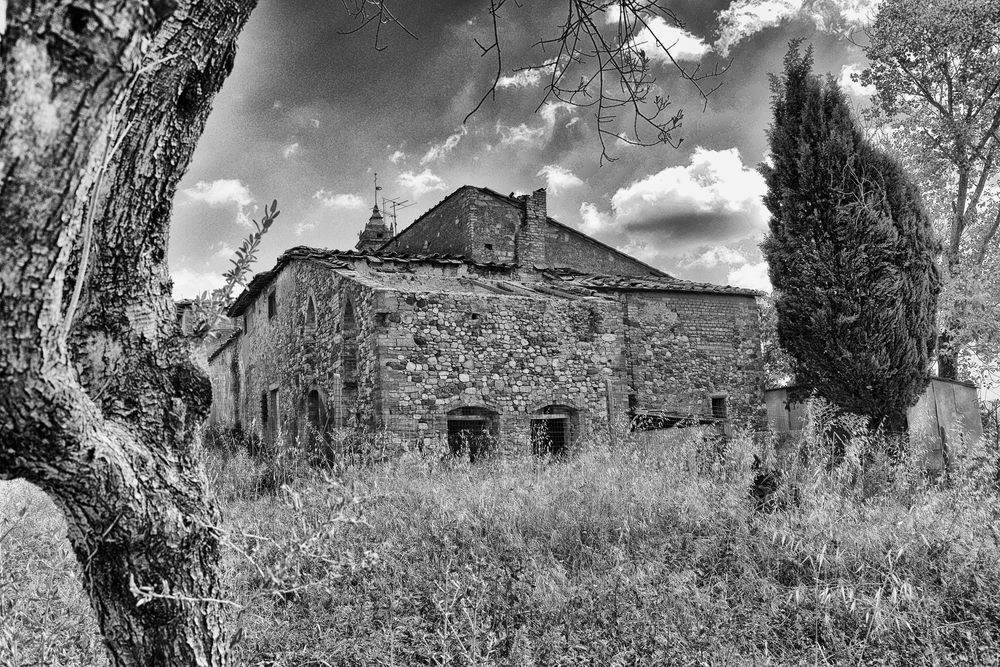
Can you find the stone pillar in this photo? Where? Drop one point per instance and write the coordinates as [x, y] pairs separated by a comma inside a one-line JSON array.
[[529, 241]]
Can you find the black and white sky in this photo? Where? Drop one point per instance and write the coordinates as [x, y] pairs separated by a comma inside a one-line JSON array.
[[309, 115]]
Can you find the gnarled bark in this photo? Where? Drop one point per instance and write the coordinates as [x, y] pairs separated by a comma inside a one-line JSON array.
[[101, 104]]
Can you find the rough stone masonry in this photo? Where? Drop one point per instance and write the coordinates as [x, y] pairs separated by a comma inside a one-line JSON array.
[[484, 326]]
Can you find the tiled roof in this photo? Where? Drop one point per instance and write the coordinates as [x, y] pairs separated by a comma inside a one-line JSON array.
[[664, 284], [232, 335], [342, 259]]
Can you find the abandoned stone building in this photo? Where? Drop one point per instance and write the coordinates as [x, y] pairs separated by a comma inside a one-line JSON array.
[[484, 323]]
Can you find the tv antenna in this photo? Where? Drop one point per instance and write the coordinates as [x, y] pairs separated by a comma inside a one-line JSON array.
[[390, 206]]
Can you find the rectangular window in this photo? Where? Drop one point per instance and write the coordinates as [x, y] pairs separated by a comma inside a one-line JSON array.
[[719, 407], [272, 304]]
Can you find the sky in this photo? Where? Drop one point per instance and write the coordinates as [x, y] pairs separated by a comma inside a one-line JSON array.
[[310, 115]]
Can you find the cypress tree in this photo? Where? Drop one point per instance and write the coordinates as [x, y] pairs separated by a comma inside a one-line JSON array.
[[850, 253]]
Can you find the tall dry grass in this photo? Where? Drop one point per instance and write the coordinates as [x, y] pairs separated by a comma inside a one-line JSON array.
[[649, 551]]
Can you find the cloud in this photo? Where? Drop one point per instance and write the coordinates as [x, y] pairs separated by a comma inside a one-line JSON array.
[[397, 157], [519, 134], [559, 179], [189, 284], [713, 200], [594, 221], [659, 35], [525, 78], [422, 183], [550, 112], [223, 250], [850, 86], [290, 150], [744, 18], [332, 200], [303, 227], [750, 275], [713, 257], [221, 193], [438, 151]]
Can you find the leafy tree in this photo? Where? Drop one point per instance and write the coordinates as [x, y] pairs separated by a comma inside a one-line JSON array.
[[777, 364], [101, 105], [850, 251], [936, 70]]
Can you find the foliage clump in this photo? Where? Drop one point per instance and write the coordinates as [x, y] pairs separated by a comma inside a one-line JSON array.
[[850, 253]]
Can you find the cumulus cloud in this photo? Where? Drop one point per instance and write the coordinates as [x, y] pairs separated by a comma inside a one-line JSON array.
[[223, 250], [332, 200], [224, 192], [713, 257], [397, 157], [559, 179], [290, 150], [849, 85], [744, 18], [550, 112], [713, 200], [750, 275], [519, 134], [658, 35], [189, 284], [422, 183], [303, 227], [440, 150], [220, 192]]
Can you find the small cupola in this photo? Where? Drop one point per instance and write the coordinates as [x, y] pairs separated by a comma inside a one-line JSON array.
[[375, 233]]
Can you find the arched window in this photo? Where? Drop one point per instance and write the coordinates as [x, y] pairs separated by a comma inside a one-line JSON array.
[[472, 431], [310, 312], [315, 410], [553, 429]]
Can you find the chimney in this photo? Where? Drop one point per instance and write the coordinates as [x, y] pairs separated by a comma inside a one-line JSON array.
[[529, 241]]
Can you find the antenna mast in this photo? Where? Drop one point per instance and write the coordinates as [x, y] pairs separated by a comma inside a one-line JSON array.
[[389, 208]]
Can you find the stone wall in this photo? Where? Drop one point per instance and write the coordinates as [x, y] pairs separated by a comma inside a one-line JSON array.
[[509, 354], [444, 229], [486, 227], [567, 248], [686, 348], [293, 355], [431, 339], [223, 373]]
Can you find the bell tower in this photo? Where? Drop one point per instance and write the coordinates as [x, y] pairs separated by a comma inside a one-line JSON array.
[[375, 233]]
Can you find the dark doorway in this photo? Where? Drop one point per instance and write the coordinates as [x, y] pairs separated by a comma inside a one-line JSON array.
[[552, 430], [471, 432]]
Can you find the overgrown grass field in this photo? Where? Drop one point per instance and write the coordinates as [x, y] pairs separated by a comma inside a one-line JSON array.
[[649, 551]]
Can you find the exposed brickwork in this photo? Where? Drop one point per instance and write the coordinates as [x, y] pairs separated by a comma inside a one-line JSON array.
[[529, 239], [686, 349], [566, 247], [487, 227]]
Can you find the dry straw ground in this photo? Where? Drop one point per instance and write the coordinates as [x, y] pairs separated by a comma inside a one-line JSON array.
[[642, 552]]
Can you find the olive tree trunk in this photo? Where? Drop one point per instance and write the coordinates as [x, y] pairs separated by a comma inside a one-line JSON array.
[[101, 104]]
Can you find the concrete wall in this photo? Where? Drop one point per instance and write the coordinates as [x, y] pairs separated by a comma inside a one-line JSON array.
[[943, 422]]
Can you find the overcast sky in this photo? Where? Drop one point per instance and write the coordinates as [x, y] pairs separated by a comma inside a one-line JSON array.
[[309, 114]]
